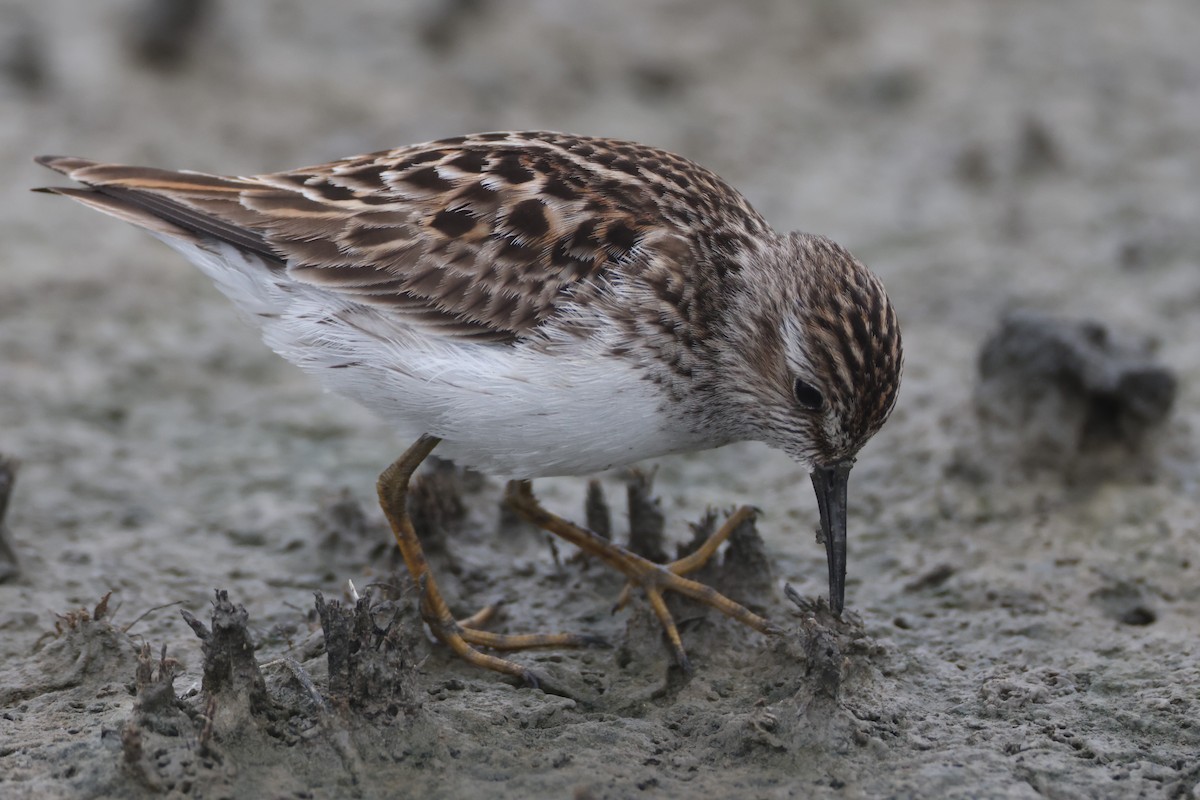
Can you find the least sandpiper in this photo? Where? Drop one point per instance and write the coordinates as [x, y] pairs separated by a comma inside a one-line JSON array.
[[541, 304]]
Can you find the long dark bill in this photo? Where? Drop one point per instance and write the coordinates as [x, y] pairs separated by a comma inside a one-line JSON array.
[[830, 483]]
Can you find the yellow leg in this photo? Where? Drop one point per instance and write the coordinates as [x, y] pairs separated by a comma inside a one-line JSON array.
[[697, 559], [460, 636], [653, 578]]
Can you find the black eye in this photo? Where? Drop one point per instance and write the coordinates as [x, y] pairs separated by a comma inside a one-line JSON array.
[[807, 395]]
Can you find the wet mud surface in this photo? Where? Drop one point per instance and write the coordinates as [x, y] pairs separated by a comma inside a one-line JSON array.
[[1024, 537]]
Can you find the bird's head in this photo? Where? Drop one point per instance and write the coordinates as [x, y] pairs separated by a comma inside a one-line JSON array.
[[818, 359]]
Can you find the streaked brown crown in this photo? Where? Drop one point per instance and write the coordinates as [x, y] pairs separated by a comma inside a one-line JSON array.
[[853, 342], [804, 308]]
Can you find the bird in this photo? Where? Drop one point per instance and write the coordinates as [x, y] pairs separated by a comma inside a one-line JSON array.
[[543, 304]]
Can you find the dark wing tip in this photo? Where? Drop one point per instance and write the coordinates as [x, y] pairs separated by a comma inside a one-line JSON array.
[[84, 194], [121, 209], [65, 191]]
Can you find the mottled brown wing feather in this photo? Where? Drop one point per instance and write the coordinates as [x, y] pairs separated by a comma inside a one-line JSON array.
[[484, 235]]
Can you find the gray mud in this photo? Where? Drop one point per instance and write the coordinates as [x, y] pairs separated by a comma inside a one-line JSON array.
[[1020, 626]]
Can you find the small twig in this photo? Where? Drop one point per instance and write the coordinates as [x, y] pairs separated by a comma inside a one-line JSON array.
[[302, 677], [147, 613]]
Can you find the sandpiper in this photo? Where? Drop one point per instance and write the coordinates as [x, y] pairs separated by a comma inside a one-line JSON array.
[[540, 304]]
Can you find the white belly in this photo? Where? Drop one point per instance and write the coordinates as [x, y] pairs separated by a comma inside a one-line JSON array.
[[518, 413], [514, 412]]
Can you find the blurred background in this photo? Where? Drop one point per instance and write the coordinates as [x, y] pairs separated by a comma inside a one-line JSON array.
[[974, 153], [981, 157]]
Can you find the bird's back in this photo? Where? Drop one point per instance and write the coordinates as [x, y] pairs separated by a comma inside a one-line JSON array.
[[432, 282]]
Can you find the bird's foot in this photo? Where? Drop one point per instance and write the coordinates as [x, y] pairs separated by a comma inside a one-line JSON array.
[[653, 579]]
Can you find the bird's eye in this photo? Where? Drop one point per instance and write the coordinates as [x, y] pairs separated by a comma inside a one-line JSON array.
[[807, 395]]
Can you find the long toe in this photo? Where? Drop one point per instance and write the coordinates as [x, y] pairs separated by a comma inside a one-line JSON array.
[[653, 579]]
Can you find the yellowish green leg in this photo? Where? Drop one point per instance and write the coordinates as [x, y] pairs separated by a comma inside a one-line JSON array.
[[461, 635], [653, 578]]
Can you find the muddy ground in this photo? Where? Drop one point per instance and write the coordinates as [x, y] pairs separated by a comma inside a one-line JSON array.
[[1024, 551]]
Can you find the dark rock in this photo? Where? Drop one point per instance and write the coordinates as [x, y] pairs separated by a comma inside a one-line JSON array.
[[446, 23], [22, 53], [1060, 391], [1038, 151], [1126, 602], [162, 32]]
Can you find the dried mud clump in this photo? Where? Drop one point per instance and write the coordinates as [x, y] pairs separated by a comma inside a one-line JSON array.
[[162, 33], [596, 512], [436, 507], [646, 520], [744, 572], [83, 647], [154, 684], [1127, 602], [242, 718], [23, 61], [347, 538], [158, 740], [826, 685], [821, 641], [213, 741], [741, 571], [1070, 395], [230, 669], [372, 650], [218, 737]]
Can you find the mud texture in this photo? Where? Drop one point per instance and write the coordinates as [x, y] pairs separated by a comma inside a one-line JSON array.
[[1022, 598]]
